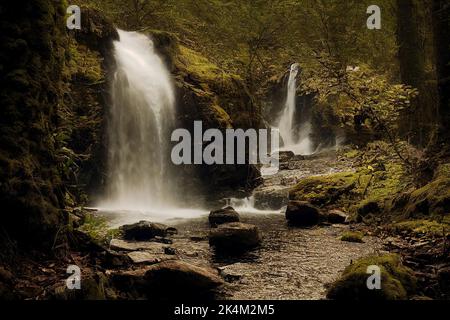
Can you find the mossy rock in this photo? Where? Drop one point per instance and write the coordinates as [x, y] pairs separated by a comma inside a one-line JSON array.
[[352, 236], [397, 281], [434, 198], [324, 190]]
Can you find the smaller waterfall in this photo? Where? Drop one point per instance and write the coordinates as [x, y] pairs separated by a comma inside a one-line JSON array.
[[297, 140]]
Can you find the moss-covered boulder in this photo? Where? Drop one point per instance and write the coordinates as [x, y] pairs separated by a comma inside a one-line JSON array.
[[397, 281], [434, 198], [325, 190], [352, 236]]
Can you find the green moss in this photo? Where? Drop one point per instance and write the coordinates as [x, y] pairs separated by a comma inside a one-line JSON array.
[[422, 228], [434, 198], [96, 227], [351, 154], [84, 64], [325, 190], [397, 281], [353, 236]]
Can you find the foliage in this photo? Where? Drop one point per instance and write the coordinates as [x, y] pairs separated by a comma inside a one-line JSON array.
[[97, 228]]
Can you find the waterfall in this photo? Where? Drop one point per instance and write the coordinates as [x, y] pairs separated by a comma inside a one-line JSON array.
[[141, 119], [295, 140]]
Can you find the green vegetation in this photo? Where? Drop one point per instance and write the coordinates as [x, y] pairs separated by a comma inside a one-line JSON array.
[[397, 281], [352, 236], [422, 228], [97, 228]]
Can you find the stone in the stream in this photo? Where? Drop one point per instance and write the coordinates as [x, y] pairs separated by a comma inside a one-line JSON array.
[[337, 216], [226, 215], [232, 273], [234, 237], [122, 245], [145, 230], [144, 257], [178, 277], [303, 214], [271, 198]]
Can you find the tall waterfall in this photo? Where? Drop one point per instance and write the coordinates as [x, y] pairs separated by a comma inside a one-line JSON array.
[[295, 140], [141, 119]]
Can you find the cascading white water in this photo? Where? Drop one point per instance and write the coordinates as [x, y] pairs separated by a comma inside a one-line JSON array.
[[300, 141], [142, 116]]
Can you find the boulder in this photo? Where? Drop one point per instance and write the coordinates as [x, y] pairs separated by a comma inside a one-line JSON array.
[[337, 216], [284, 158], [397, 281], [179, 278], [303, 214], [144, 230], [235, 237], [226, 215], [271, 198]]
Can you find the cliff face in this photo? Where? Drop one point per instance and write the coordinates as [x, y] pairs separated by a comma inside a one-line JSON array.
[[83, 115], [32, 48], [216, 97], [53, 96]]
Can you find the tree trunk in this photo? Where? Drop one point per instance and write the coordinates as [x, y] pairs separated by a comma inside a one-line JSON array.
[[441, 32]]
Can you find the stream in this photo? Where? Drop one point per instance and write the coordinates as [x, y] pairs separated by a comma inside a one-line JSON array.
[[291, 263]]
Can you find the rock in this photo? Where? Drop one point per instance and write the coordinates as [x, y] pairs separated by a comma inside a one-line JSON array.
[[285, 157], [93, 287], [113, 259], [301, 213], [353, 236], [131, 283], [153, 247], [366, 208], [6, 276], [271, 198], [235, 237], [145, 230], [178, 278], [7, 285], [337, 216], [232, 272], [226, 215], [144, 257], [397, 281], [444, 279]]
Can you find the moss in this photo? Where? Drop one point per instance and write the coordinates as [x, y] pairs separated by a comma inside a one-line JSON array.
[[351, 154], [433, 199], [397, 281], [84, 64], [422, 228], [96, 227], [31, 59], [200, 68], [325, 190], [353, 236]]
